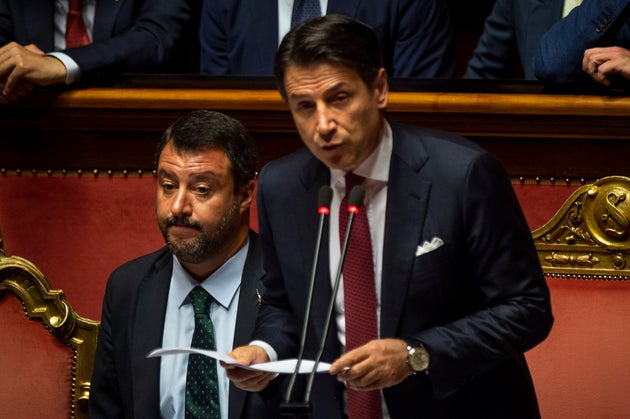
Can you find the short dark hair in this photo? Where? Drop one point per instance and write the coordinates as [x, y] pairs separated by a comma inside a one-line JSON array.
[[204, 129], [330, 39]]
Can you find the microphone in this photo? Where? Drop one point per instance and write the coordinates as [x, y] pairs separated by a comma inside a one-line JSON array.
[[302, 409], [355, 200]]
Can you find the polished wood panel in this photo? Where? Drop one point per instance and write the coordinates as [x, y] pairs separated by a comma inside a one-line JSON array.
[[534, 133]]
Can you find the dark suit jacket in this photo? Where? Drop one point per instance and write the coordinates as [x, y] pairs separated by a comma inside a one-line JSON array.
[[595, 23], [125, 383], [477, 303], [240, 37], [128, 35], [510, 36]]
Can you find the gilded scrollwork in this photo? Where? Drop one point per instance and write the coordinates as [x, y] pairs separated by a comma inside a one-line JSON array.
[[21, 278], [589, 236]]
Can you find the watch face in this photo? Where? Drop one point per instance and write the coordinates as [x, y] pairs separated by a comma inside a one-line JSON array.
[[418, 358]]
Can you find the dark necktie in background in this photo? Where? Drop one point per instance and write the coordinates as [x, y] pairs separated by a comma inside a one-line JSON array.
[[359, 298], [202, 389], [76, 34], [304, 10]]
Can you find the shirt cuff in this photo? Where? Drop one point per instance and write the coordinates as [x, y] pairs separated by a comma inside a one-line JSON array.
[[271, 353], [73, 72]]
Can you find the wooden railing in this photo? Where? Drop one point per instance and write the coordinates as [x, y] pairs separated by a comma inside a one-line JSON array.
[[534, 133]]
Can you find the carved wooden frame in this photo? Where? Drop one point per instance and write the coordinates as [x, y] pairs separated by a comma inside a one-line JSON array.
[[40, 302], [589, 237]]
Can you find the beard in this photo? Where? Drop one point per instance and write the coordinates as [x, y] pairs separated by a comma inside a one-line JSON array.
[[210, 242]]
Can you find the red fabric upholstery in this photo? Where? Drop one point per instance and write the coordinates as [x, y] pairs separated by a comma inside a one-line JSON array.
[[581, 371], [540, 202], [77, 229], [36, 378]]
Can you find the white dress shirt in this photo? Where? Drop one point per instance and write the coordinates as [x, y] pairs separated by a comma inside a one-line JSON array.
[[223, 285], [60, 17]]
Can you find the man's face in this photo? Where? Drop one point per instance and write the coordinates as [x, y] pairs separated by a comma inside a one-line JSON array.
[[197, 210], [338, 117]]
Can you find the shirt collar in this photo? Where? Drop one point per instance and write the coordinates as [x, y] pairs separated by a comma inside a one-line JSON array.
[[222, 284]]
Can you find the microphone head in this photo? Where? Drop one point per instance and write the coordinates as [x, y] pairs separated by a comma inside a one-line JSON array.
[[355, 200], [324, 199]]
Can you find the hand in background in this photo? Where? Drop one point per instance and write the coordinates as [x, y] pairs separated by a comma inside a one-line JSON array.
[[605, 64], [377, 364], [24, 67]]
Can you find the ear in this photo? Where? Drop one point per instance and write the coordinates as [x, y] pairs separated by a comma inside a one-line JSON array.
[[381, 88], [247, 195]]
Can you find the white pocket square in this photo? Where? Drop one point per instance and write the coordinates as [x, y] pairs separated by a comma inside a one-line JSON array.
[[429, 246]]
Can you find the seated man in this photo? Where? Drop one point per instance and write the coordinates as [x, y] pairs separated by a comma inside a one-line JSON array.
[[241, 38], [46, 43], [593, 41], [201, 290], [511, 35]]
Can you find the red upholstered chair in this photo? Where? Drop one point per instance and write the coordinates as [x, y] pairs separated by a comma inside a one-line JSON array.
[[46, 348], [582, 370]]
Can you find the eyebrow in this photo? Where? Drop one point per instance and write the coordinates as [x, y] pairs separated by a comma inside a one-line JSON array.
[[335, 87], [207, 175]]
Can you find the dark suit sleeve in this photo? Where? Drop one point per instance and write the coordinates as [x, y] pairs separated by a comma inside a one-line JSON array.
[[105, 394], [507, 300], [213, 36], [496, 49], [422, 42], [275, 323], [595, 23], [145, 36], [6, 24]]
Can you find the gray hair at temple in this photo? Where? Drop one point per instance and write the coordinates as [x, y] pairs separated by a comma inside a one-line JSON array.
[[330, 39], [204, 129]]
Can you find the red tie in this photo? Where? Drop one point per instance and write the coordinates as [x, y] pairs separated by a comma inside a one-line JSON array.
[[359, 298], [76, 34]]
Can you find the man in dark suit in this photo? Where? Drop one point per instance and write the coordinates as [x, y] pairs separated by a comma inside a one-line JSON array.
[[205, 171], [125, 36], [460, 295], [510, 38], [241, 37], [593, 42]]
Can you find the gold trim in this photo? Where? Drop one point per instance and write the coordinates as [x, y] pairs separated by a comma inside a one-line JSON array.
[[589, 237], [40, 302]]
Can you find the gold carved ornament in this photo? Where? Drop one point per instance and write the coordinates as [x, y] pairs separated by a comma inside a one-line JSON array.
[[40, 302], [589, 237]]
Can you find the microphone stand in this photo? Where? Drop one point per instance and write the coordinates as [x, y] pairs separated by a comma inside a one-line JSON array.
[[296, 409], [354, 202]]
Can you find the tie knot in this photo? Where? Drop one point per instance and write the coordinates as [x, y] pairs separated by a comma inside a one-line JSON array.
[[201, 301], [353, 180]]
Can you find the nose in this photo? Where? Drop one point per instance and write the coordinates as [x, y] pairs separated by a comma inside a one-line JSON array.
[[181, 204], [325, 121]]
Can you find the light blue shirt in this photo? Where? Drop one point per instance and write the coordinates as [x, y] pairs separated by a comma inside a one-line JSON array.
[[179, 325]]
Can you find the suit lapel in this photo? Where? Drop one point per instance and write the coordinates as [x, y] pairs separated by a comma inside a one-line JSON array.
[[264, 21], [345, 7], [313, 177], [104, 19], [38, 21], [147, 335], [246, 316], [407, 199]]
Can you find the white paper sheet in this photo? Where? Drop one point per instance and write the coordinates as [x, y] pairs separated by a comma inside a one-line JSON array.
[[285, 366]]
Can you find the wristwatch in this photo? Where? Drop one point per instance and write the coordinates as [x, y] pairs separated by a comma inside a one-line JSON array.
[[417, 357]]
